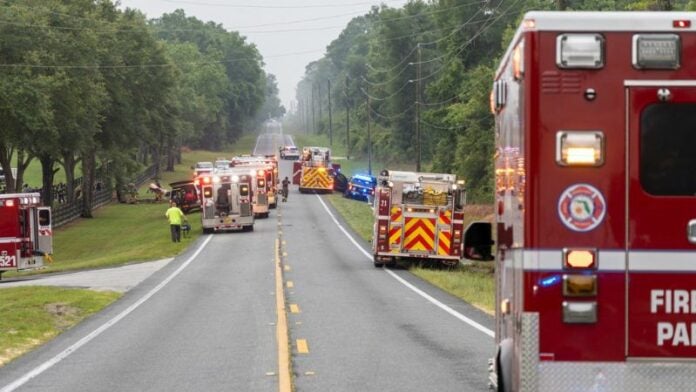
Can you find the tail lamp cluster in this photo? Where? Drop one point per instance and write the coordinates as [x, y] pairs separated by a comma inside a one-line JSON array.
[[580, 286]]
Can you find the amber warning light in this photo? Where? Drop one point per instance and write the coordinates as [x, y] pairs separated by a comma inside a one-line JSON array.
[[574, 258]]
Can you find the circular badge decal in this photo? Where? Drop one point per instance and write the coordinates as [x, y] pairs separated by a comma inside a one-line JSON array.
[[581, 207]]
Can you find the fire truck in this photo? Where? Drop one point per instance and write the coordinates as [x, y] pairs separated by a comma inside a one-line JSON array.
[[226, 200], [264, 173], [595, 204], [314, 171], [26, 236], [418, 216]]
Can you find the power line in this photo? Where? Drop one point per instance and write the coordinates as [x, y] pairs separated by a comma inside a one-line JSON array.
[[161, 65], [277, 6], [391, 117], [456, 29]]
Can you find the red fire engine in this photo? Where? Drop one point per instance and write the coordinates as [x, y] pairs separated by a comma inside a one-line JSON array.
[[596, 204], [418, 216], [314, 171], [26, 237]]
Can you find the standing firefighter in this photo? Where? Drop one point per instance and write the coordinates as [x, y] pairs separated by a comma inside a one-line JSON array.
[[176, 219], [595, 204], [286, 185]]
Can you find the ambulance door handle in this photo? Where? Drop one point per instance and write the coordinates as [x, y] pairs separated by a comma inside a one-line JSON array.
[[691, 231]]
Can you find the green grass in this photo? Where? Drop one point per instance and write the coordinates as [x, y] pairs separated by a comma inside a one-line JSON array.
[[33, 315], [474, 283]]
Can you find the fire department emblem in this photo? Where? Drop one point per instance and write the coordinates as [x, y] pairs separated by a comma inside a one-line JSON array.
[[581, 207]]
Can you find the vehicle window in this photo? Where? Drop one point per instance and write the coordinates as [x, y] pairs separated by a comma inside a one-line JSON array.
[[44, 217], [667, 145]]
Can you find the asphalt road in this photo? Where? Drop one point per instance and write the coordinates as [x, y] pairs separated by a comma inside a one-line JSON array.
[[206, 321]]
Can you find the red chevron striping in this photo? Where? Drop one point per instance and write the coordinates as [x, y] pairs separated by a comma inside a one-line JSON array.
[[422, 240], [419, 224], [445, 219]]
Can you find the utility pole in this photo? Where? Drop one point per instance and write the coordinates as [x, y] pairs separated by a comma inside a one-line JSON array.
[[330, 118], [319, 106], [418, 94], [369, 133], [345, 91], [307, 114], [314, 121]]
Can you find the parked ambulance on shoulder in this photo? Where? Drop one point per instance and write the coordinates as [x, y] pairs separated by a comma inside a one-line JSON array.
[[596, 204], [418, 216], [26, 235], [226, 200]]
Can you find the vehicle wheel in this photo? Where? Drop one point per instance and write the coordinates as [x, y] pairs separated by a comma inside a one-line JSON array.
[[207, 230], [273, 206], [376, 263]]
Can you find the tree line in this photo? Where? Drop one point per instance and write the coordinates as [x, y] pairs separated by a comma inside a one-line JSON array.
[[418, 78], [87, 85]]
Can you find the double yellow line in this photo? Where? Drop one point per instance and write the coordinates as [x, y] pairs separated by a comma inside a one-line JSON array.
[[284, 379]]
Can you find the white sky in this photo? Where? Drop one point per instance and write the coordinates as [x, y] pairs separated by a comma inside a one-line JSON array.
[[285, 52]]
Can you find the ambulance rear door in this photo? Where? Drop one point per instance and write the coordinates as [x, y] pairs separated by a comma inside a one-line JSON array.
[[661, 219]]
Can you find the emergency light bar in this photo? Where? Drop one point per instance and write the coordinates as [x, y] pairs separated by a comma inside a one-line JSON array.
[[580, 148], [656, 51], [580, 51]]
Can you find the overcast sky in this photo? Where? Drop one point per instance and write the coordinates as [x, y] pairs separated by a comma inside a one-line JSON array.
[[289, 33]]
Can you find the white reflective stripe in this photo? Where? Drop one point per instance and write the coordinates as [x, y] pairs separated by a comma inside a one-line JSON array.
[[461, 222], [662, 261], [660, 83], [384, 217], [608, 21], [608, 260]]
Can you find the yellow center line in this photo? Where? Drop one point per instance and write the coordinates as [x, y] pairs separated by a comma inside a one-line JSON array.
[[284, 383], [290, 284], [302, 347], [294, 308], [286, 267]]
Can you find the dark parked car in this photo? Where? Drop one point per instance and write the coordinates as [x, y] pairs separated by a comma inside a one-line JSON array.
[[361, 187]]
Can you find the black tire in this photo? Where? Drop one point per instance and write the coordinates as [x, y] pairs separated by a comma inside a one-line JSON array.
[[207, 230]]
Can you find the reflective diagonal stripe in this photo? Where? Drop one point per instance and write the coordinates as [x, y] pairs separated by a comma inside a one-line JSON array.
[[419, 234], [395, 214], [445, 218], [395, 235], [443, 243]]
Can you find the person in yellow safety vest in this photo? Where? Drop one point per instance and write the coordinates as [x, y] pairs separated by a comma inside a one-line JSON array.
[[176, 218]]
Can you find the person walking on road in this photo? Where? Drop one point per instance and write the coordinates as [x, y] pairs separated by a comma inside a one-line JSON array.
[[176, 218], [286, 184]]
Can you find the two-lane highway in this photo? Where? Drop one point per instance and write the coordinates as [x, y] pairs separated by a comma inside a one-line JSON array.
[[357, 328], [208, 321]]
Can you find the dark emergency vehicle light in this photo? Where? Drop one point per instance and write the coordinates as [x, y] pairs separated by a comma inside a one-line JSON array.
[[656, 51], [584, 51], [579, 258], [579, 285]]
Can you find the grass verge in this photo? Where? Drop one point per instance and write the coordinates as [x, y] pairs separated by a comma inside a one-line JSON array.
[[33, 315], [474, 283]]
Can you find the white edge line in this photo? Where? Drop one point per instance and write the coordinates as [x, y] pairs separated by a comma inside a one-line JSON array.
[[415, 289], [65, 353]]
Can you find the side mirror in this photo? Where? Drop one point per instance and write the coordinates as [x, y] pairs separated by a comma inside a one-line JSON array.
[[478, 242]]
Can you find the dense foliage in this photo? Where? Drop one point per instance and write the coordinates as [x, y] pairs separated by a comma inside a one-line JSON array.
[[83, 82], [427, 67]]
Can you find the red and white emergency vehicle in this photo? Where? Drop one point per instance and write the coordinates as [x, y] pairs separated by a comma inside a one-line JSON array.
[[596, 204], [263, 190], [226, 200], [314, 171], [26, 236], [418, 216]]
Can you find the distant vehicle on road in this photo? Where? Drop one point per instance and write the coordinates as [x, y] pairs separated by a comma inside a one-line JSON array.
[[222, 164], [289, 152], [361, 187], [203, 168]]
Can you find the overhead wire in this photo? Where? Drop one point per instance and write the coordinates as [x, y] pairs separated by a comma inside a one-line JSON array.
[[263, 6], [455, 30], [391, 117]]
